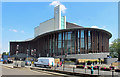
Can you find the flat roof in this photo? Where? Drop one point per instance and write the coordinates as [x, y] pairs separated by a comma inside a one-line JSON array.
[[69, 29]]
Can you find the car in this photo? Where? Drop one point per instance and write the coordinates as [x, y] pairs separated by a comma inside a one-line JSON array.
[[4, 61], [9, 61], [28, 63], [44, 62]]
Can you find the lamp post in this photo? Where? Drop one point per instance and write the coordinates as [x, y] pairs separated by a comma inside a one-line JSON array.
[[16, 58], [99, 60], [17, 48], [27, 54], [35, 53], [47, 54], [39, 54], [64, 60]]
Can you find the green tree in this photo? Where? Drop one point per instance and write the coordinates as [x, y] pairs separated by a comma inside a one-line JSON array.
[[115, 49], [5, 53]]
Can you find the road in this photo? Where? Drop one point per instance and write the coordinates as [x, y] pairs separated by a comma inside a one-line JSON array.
[[33, 73], [24, 72]]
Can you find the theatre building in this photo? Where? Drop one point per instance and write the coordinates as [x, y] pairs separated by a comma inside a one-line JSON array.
[[56, 37]]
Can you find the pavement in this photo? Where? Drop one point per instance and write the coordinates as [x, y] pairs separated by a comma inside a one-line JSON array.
[[67, 68], [8, 69]]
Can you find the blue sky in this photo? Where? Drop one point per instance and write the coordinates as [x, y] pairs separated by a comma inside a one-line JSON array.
[[20, 18]]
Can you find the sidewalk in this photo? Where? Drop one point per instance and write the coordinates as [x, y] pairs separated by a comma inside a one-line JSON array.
[[8, 65], [88, 71]]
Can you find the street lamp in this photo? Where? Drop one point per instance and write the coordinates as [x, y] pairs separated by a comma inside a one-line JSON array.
[[27, 54], [47, 54], [64, 60], [16, 58], [34, 52], [39, 54], [17, 47]]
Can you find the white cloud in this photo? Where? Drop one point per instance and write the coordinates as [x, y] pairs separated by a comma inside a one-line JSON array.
[[56, 3], [22, 31], [13, 30], [103, 27], [75, 23], [94, 27]]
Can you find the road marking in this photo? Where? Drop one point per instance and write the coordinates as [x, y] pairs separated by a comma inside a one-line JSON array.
[[52, 73], [39, 72], [7, 67]]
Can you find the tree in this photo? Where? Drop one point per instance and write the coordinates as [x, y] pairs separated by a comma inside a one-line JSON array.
[[5, 53], [115, 49]]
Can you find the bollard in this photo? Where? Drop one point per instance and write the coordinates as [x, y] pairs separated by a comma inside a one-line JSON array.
[[63, 67], [73, 69], [85, 70], [112, 73], [55, 68], [98, 69]]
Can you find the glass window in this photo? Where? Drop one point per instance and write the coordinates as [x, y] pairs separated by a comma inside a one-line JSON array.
[[89, 40], [82, 33], [69, 35], [66, 35], [82, 39], [59, 44], [78, 34], [63, 35], [78, 41], [62, 23], [59, 37]]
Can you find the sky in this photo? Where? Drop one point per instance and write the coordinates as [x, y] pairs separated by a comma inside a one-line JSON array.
[[20, 18]]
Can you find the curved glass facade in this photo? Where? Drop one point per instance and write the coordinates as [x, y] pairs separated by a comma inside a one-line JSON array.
[[80, 41]]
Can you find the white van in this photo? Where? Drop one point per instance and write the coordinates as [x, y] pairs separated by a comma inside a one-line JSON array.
[[44, 62]]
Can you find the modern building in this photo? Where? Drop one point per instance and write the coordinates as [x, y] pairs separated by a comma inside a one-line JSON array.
[[57, 37]]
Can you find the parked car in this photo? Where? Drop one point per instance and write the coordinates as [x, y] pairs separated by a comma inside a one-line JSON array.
[[4, 61], [28, 63], [9, 61], [45, 62]]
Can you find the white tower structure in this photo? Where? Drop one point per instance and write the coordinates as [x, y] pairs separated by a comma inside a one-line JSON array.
[[60, 21], [56, 23], [57, 17]]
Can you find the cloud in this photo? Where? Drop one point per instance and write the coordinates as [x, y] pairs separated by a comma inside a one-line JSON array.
[[13, 30], [22, 31], [103, 27], [56, 3], [94, 27]]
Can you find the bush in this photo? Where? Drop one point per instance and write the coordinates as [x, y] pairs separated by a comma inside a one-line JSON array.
[[95, 67], [89, 67], [105, 68], [112, 67], [117, 70], [80, 66]]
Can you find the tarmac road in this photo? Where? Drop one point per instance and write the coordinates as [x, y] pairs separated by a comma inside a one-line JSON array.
[[23, 72]]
